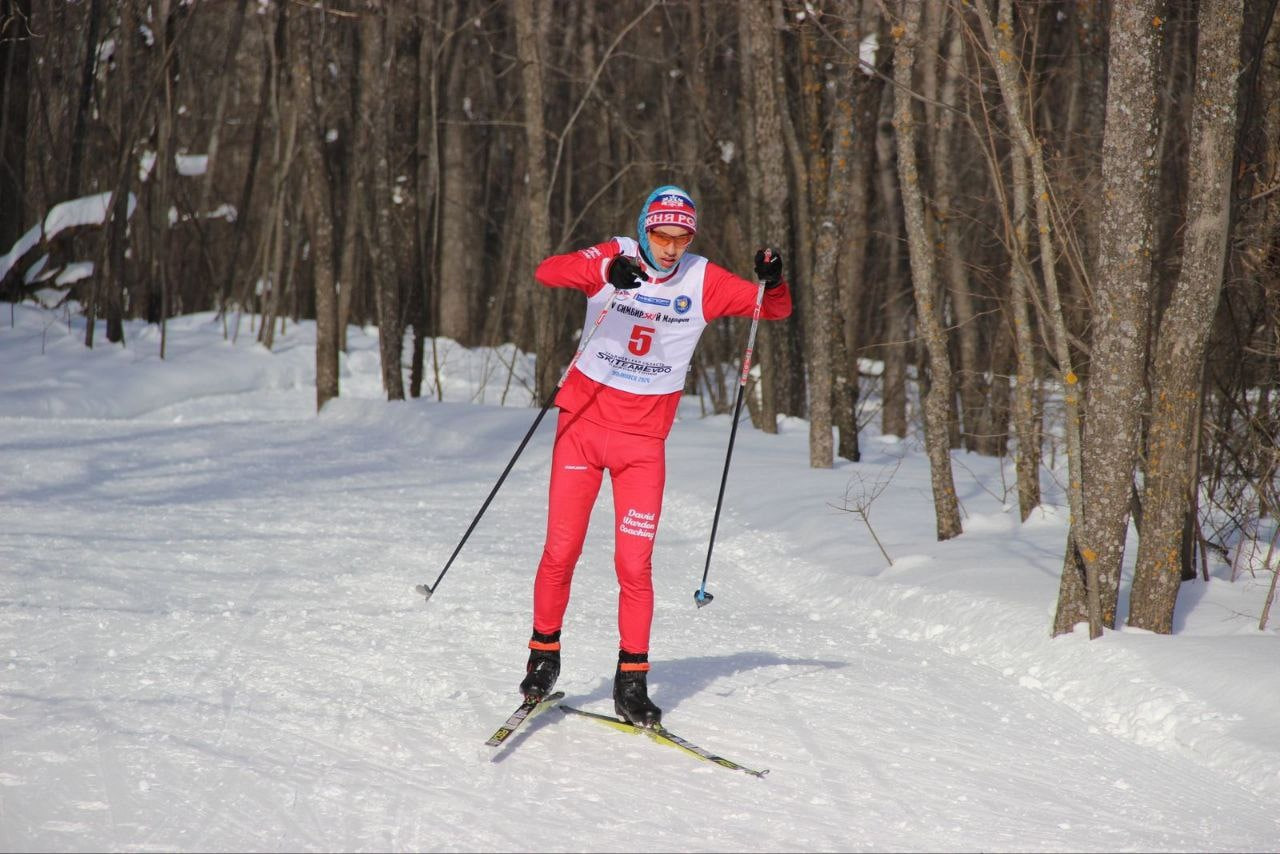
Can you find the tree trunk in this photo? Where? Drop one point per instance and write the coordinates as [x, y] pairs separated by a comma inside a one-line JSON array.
[[1026, 426], [351, 249], [893, 380], [156, 288], [240, 228], [1079, 597], [315, 202], [807, 185], [1022, 280], [112, 273], [1122, 287], [1187, 322], [767, 174], [936, 403], [15, 86], [80, 130], [377, 42], [529, 47], [225, 82], [822, 300], [275, 250], [976, 429], [854, 291], [433, 53], [1003, 365], [461, 225]]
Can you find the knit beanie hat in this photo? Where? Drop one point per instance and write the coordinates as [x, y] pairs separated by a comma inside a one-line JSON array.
[[667, 205]]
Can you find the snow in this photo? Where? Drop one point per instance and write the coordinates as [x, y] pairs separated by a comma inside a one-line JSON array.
[[24, 244], [35, 270], [867, 49], [210, 639], [87, 210], [74, 272], [191, 164], [187, 165]]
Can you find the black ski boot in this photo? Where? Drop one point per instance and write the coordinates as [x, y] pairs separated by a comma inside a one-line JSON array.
[[631, 691], [543, 667]]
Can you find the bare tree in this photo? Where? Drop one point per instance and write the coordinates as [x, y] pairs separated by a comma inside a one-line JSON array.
[[854, 287], [529, 46], [163, 173], [1029, 174], [109, 282], [1115, 393], [15, 84], [83, 113], [377, 41], [552, 125], [1188, 321], [226, 83], [821, 341], [768, 180], [894, 296], [316, 204], [460, 247], [978, 432], [937, 402]]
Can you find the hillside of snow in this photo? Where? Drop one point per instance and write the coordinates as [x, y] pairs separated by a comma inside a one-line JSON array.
[[209, 636]]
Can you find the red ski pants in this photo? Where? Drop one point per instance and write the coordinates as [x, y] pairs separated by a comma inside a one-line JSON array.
[[637, 469]]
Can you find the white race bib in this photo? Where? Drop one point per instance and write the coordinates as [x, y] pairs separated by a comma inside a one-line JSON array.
[[645, 343]]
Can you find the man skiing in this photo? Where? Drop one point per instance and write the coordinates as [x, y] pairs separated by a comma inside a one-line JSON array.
[[616, 409]]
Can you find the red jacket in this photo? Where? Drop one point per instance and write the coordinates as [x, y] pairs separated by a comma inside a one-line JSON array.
[[723, 295]]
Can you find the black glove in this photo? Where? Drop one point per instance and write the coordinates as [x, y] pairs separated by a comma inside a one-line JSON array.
[[625, 274], [769, 267]]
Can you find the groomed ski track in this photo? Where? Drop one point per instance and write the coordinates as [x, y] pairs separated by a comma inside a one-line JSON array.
[[212, 642]]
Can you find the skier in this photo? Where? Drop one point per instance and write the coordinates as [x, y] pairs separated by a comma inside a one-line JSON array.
[[616, 408]]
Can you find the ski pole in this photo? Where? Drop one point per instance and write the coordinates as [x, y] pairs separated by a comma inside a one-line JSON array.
[[428, 589], [700, 596]]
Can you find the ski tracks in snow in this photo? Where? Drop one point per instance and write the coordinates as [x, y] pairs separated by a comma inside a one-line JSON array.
[[861, 730], [232, 657]]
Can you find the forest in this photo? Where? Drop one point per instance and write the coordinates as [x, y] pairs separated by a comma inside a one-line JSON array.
[[1047, 230]]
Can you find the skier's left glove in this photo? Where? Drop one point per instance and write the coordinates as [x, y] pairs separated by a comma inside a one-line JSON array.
[[769, 267], [625, 274]]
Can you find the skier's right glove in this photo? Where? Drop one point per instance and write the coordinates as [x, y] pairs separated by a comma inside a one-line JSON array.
[[625, 274], [769, 267]]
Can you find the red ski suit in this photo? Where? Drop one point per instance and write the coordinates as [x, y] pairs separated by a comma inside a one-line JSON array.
[[602, 427]]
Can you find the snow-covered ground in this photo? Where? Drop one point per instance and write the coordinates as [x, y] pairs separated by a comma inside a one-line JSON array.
[[209, 638]]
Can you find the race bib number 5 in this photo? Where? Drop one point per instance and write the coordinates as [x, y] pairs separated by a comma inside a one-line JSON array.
[[641, 339]]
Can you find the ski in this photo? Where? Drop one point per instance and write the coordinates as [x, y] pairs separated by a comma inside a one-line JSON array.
[[525, 711], [662, 735]]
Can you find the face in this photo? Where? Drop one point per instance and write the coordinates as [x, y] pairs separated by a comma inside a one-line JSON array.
[[668, 243]]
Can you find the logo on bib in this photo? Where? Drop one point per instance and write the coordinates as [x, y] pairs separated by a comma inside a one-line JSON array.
[[683, 304], [652, 300]]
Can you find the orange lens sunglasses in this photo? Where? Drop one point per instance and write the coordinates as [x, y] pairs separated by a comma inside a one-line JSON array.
[[667, 241]]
